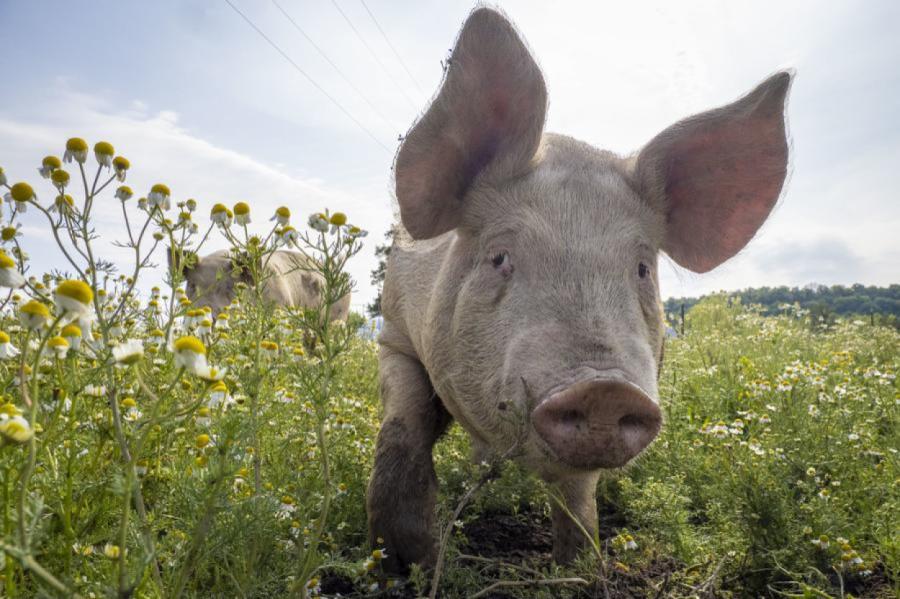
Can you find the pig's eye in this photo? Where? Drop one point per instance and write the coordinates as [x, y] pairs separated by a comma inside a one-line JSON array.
[[643, 270], [500, 261]]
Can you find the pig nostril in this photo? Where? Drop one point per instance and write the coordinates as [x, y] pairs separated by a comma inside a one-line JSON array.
[[632, 421]]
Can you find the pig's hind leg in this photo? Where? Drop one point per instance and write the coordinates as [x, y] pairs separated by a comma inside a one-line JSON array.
[[403, 488]]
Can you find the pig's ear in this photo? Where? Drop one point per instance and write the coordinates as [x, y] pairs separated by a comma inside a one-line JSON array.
[[486, 120], [184, 260], [718, 174]]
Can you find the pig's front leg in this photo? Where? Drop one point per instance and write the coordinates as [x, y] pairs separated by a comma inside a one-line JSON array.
[[403, 488], [580, 496]]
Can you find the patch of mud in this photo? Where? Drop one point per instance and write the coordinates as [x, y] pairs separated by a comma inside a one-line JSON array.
[[498, 534]]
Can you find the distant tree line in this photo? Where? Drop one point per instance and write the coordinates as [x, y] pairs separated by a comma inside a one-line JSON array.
[[820, 300]]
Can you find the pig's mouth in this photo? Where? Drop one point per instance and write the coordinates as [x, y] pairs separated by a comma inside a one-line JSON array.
[[602, 422]]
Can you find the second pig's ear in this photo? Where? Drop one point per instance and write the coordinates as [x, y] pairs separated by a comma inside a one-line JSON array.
[[181, 260], [486, 121]]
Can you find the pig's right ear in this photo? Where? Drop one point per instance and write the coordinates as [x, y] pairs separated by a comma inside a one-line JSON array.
[[486, 120], [717, 175]]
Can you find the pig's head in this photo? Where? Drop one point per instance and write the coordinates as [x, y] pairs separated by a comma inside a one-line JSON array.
[[210, 280], [550, 297]]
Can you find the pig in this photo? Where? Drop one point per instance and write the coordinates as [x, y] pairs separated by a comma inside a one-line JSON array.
[[522, 299], [291, 282]]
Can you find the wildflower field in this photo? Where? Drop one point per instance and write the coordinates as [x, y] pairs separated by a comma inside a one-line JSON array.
[[149, 450]]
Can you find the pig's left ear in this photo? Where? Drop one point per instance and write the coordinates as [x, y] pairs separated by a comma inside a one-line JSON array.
[[717, 175], [487, 120]]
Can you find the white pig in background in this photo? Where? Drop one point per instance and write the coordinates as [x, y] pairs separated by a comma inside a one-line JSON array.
[[522, 300]]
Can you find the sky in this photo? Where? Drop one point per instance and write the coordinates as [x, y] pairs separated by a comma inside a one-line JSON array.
[[198, 99]]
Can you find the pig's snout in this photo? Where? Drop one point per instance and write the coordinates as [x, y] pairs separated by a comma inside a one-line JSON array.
[[599, 423]]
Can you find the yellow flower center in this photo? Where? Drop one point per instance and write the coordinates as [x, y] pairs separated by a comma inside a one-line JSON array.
[[160, 188], [218, 209], [104, 148], [51, 162], [35, 308], [10, 410], [71, 330], [202, 441], [60, 177], [4, 338], [6, 261], [268, 345], [76, 290], [120, 163], [283, 212], [76, 144], [129, 402], [22, 192], [8, 233], [339, 219], [190, 343], [65, 200], [219, 387], [241, 208], [57, 342]]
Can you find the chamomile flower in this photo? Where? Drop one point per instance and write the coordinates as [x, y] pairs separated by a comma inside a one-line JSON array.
[[288, 235], [318, 222], [20, 193], [77, 150], [204, 328], [202, 418], [60, 179], [282, 215], [121, 165], [124, 193], [242, 213], [9, 233], [15, 429], [64, 204], [218, 395], [59, 346], [190, 354], [112, 551], [128, 352], [95, 390], [7, 349], [210, 374], [74, 298], [159, 197], [221, 215], [9, 274], [33, 314], [337, 220], [269, 348], [104, 152]]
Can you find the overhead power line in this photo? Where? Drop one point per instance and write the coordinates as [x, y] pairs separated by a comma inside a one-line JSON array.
[[336, 68], [308, 77], [391, 46], [374, 55]]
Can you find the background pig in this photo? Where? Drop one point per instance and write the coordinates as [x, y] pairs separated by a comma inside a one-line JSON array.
[[211, 281], [524, 300]]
